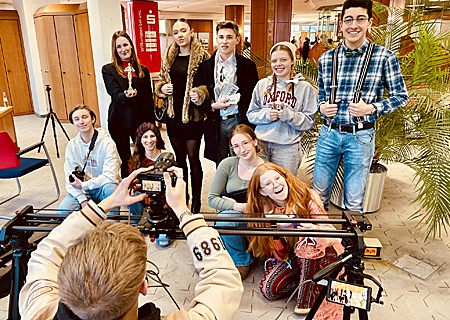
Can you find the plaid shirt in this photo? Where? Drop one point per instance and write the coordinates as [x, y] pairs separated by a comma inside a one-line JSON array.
[[383, 73]]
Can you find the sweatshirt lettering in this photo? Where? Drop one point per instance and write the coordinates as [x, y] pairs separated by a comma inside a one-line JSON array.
[[280, 97]]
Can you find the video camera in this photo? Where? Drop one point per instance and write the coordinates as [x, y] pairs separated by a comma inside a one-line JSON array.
[[152, 182]]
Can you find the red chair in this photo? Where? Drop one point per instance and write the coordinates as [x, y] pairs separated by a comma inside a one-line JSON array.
[[12, 165]]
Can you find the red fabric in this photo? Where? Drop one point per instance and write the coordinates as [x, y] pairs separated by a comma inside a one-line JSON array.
[[125, 64], [8, 152]]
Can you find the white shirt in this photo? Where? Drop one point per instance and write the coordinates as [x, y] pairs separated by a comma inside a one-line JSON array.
[[226, 71]]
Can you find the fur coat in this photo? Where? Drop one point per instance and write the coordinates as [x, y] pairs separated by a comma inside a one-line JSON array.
[[197, 56]]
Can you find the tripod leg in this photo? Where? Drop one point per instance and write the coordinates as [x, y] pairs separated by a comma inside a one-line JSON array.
[[320, 297], [18, 278], [54, 135], [43, 132], [62, 128]]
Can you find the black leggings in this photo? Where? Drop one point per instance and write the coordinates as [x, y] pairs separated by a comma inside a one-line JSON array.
[[121, 136], [191, 148]]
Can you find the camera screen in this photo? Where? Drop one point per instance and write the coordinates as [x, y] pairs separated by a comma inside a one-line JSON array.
[[152, 186], [349, 294]]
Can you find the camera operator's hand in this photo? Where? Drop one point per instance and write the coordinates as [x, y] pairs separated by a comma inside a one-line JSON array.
[[176, 197], [77, 183], [121, 196]]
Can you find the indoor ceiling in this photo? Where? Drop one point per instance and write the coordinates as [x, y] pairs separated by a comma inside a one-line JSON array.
[[212, 9]]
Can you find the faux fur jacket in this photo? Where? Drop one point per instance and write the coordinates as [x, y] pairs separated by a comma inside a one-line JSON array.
[[197, 56]]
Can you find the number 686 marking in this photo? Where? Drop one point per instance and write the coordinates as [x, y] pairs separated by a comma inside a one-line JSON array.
[[206, 248]]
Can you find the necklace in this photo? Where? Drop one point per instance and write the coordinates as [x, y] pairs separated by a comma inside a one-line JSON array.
[[252, 166]]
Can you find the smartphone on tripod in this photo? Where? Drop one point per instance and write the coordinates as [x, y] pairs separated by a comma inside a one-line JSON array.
[[349, 294]]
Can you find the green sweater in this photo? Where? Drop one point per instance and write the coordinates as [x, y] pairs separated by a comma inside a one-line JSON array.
[[225, 180]]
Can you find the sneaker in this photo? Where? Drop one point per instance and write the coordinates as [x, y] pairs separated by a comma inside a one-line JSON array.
[[300, 311], [245, 271]]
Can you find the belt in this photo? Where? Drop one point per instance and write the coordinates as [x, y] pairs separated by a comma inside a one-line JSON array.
[[229, 117], [348, 128]]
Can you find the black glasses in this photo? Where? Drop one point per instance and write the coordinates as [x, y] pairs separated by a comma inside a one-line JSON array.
[[360, 20], [221, 76]]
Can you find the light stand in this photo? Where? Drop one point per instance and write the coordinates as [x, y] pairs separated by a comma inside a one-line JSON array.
[[52, 114]]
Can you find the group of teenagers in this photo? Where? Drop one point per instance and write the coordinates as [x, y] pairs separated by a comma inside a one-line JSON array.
[[255, 142]]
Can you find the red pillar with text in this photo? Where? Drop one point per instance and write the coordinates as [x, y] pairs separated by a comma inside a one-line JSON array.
[[143, 28]]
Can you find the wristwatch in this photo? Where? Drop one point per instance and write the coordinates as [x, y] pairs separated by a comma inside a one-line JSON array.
[[375, 110]]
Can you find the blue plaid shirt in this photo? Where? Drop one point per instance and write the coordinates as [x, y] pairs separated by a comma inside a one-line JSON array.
[[383, 73]]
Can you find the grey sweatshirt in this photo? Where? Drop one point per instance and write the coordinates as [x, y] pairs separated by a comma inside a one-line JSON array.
[[298, 112]]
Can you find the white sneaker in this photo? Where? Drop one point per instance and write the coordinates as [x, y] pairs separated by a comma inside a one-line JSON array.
[[300, 311]]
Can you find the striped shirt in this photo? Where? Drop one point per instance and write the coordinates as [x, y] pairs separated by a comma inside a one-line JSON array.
[[383, 73]]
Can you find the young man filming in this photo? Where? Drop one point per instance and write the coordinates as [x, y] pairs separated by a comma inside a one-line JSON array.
[[90, 269], [95, 151]]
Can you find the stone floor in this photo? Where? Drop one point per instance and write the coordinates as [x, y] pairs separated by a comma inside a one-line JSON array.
[[405, 295]]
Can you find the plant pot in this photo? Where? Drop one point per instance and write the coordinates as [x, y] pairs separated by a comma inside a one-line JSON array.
[[374, 191]]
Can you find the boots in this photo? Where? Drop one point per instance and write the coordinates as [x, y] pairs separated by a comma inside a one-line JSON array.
[[196, 205]]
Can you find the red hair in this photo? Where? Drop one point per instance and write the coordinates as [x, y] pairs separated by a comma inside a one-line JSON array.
[[297, 202]]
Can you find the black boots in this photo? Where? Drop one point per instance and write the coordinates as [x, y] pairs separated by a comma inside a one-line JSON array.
[[196, 205]]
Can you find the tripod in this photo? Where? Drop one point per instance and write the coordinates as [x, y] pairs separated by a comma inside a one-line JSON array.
[[354, 267], [52, 114]]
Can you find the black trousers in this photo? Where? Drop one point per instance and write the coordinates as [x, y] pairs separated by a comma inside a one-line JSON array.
[[121, 136]]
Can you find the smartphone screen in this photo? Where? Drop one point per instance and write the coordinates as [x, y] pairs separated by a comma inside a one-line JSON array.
[[151, 185], [349, 294]]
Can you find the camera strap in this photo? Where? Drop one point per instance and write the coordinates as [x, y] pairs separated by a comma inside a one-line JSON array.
[[361, 80], [91, 147]]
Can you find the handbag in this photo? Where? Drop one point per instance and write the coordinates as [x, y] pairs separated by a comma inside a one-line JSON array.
[[160, 110]]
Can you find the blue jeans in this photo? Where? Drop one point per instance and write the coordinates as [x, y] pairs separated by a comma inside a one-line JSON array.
[[70, 203], [237, 246], [223, 145], [357, 150], [288, 156], [136, 209]]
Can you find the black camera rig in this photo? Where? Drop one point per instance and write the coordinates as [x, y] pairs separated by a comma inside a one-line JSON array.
[[15, 235]]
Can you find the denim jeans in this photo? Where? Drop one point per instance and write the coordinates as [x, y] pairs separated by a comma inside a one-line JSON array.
[[288, 156], [237, 246], [70, 203], [223, 145], [136, 209], [357, 150]]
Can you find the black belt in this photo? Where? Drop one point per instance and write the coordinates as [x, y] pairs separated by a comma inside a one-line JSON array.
[[230, 116], [348, 128]]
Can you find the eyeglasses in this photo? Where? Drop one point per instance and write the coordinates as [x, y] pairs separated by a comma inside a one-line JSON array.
[[271, 184], [245, 144], [360, 20]]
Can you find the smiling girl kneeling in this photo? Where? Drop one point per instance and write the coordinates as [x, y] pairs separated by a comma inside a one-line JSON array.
[[283, 106]]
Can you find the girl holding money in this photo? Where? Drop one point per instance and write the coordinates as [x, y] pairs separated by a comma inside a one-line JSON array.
[[283, 106], [131, 103], [179, 65]]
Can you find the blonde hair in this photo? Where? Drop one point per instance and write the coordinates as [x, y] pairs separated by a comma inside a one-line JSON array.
[[289, 87], [297, 202], [102, 272]]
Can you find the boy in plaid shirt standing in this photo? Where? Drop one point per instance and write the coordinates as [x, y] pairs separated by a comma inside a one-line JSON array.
[[349, 123]]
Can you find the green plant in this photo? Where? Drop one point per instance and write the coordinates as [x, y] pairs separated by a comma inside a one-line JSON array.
[[417, 135]]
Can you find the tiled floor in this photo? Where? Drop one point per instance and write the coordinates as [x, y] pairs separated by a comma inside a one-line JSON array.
[[405, 296]]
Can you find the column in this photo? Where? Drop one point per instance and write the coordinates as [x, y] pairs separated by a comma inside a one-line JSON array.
[[270, 23], [236, 13], [105, 18]]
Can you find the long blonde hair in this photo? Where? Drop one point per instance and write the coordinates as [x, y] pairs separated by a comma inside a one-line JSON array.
[[290, 86], [296, 202]]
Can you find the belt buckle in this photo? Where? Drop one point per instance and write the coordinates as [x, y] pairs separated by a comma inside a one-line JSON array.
[[340, 129]]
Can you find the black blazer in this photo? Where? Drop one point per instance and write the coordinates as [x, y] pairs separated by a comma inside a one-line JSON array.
[[128, 112], [247, 77]]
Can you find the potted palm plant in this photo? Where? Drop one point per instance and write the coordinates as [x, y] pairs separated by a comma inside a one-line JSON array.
[[417, 135]]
